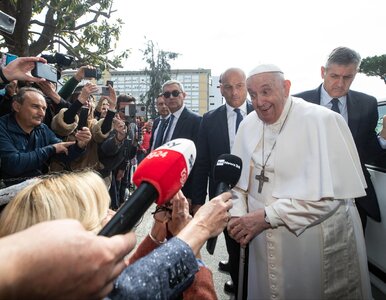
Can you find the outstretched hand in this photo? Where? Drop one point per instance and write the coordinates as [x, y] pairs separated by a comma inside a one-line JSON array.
[[21, 67], [209, 221]]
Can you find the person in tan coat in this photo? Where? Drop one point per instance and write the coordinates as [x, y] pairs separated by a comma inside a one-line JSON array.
[[67, 122]]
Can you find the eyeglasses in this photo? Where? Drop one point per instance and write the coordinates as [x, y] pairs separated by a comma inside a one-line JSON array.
[[174, 93], [162, 213]]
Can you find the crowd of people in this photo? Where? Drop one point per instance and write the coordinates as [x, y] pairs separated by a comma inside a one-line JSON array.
[[300, 206]]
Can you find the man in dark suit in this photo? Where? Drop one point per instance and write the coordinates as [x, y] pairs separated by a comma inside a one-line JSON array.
[[360, 112], [160, 123], [216, 136], [183, 123]]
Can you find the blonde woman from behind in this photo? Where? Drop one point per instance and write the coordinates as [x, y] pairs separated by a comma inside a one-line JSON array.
[[80, 195]]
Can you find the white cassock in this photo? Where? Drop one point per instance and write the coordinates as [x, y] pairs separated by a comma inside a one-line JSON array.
[[315, 249]]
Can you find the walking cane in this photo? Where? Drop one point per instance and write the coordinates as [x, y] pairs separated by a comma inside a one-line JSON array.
[[240, 286]]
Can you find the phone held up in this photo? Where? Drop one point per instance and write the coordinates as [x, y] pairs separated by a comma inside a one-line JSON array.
[[83, 118], [7, 23], [102, 90], [92, 73], [46, 71]]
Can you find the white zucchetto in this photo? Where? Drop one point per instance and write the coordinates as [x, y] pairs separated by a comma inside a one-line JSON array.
[[265, 68]]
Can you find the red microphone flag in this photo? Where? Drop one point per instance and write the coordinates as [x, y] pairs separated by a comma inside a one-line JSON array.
[[167, 168]]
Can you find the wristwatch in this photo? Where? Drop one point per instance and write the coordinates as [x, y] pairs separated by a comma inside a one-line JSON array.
[[266, 218]]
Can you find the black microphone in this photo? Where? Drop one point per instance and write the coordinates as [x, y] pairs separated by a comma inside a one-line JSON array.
[[226, 172]]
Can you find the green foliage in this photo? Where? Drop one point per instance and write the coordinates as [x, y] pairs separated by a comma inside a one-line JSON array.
[[374, 66], [79, 27], [158, 71]]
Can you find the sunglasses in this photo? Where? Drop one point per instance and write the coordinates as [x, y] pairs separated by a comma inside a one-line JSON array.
[[174, 93]]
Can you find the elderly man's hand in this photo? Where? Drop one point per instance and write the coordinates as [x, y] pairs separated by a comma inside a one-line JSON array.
[[244, 229], [62, 147]]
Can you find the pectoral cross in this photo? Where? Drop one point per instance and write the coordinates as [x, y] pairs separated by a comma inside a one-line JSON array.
[[261, 178]]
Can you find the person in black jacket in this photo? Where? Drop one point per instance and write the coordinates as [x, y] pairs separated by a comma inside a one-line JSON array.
[[360, 112], [216, 135], [183, 123], [114, 153]]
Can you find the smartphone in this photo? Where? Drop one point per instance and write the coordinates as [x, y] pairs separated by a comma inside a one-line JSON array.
[[105, 91], [90, 73], [130, 110], [83, 115], [109, 82], [102, 90], [46, 71], [140, 110], [7, 23]]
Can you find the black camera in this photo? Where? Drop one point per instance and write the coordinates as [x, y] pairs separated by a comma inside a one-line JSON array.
[[46, 71], [62, 60]]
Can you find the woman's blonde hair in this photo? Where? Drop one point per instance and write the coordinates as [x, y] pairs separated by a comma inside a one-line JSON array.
[[80, 195]]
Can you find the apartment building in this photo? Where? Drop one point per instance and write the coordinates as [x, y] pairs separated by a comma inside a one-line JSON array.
[[203, 93]]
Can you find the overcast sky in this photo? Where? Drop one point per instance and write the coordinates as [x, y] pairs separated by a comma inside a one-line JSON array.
[[296, 35]]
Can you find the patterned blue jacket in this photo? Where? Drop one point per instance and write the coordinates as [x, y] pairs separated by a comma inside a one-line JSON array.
[[163, 274]]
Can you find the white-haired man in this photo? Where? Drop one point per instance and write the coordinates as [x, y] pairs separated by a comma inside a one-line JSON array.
[[294, 203]]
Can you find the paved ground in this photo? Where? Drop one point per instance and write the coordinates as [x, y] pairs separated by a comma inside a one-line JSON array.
[[210, 260]]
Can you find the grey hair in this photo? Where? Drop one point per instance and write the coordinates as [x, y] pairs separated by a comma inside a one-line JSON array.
[[170, 82], [343, 56], [20, 96]]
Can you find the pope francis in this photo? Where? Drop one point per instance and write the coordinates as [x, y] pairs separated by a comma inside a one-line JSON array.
[[294, 203]]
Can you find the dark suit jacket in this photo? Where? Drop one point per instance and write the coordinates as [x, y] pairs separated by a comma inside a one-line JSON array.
[[362, 114], [213, 140], [187, 127]]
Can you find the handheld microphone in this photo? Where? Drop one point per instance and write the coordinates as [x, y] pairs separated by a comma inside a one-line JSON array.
[[159, 176], [227, 172]]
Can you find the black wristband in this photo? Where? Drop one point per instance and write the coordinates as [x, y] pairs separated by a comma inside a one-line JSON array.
[[3, 78]]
